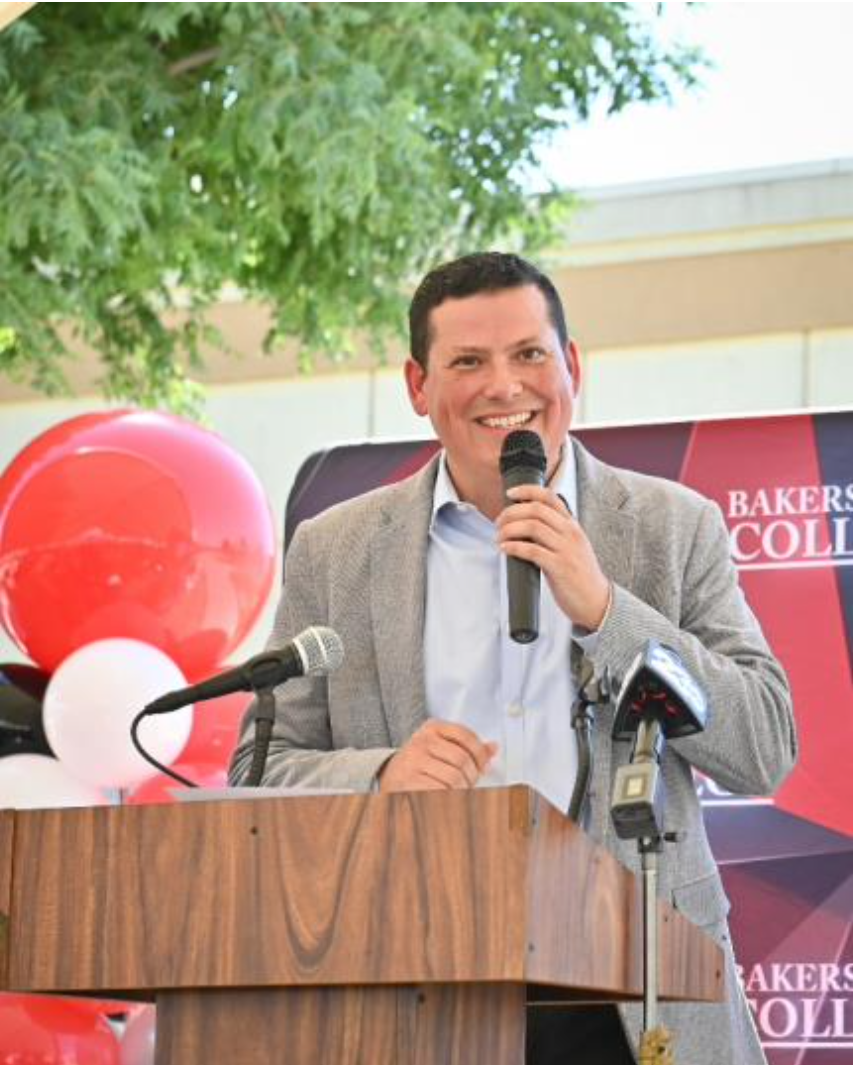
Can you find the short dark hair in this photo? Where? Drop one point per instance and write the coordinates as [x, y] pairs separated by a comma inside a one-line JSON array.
[[489, 271]]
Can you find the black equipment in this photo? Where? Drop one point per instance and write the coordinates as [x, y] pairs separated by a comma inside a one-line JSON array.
[[658, 701]]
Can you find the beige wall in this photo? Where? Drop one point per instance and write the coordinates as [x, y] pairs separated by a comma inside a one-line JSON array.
[[747, 293]]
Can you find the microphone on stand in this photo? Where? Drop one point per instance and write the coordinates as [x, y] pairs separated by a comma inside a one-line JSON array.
[[659, 700], [523, 462], [316, 650]]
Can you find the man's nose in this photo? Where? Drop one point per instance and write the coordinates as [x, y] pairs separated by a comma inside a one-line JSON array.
[[503, 382]]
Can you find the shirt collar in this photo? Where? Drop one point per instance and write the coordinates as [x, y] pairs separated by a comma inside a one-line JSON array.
[[563, 483]]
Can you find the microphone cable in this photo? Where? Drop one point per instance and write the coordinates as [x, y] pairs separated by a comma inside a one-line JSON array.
[[591, 692], [135, 739]]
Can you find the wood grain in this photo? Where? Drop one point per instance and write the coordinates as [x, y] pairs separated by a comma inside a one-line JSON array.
[[7, 831], [585, 923], [423, 888], [431, 1025], [303, 891]]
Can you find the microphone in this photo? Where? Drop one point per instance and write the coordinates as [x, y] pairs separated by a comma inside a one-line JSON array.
[[659, 700], [523, 462], [317, 650]]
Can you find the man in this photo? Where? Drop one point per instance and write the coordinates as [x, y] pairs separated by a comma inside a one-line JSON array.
[[434, 694]]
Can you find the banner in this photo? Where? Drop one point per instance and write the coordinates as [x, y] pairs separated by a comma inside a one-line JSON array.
[[785, 488]]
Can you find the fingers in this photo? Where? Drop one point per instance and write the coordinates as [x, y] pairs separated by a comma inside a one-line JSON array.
[[461, 737], [445, 775], [457, 755], [451, 764], [439, 755], [536, 514], [537, 527], [534, 525], [534, 493], [542, 557], [532, 530]]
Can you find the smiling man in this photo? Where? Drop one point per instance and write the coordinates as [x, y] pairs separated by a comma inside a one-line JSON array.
[[435, 694]]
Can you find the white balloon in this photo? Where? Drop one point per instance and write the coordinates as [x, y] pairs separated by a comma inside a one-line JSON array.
[[35, 781], [91, 701]]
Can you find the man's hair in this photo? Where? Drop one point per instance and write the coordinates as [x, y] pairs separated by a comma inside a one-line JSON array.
[[490, 271]]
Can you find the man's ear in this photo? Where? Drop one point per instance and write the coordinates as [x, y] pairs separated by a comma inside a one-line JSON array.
[[415, 376], [574, 364]]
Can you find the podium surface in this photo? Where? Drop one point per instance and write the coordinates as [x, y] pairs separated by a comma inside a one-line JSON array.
[[376, 928]]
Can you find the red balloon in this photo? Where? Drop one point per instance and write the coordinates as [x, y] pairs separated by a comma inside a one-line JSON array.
[[133, 524], [120, 1009], [158, 789], [52, 1031]]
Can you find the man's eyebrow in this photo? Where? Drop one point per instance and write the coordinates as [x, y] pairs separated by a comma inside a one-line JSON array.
[[469, 349], [526, 342], [516, 345]]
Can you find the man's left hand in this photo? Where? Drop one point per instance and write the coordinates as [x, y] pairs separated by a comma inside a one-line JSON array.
[[539, 528]]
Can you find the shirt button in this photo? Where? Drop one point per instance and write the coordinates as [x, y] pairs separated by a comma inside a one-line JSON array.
[[515, 710]]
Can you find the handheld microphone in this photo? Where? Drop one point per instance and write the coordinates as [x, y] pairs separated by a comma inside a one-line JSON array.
[[523, 462], [659, 700], [317, 650]]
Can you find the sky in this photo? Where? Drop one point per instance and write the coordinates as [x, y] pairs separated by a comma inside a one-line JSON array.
[[780, 91]]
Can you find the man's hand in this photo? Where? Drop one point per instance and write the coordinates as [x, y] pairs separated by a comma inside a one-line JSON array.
[[538, 527], [438, 755]]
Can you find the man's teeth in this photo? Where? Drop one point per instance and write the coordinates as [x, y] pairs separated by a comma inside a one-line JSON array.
[[509, 421]]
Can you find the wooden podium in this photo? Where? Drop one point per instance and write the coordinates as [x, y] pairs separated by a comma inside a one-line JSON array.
[[412, 929]]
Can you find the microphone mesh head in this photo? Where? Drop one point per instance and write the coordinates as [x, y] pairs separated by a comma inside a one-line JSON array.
[[320, 650], [522, 448]]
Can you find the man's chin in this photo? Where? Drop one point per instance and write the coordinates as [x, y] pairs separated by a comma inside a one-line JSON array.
[[478, 466]]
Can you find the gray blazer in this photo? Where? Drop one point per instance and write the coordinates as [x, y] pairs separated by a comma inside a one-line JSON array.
[[360, 568]]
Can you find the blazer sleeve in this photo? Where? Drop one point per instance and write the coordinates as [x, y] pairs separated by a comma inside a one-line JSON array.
[[750, 744], [302, 750]]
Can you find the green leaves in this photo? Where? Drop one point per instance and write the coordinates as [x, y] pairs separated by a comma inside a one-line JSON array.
[[320, 156]]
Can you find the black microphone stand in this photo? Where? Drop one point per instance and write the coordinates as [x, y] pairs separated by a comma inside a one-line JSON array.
[[264, 718], [592, 691], [260, 675]]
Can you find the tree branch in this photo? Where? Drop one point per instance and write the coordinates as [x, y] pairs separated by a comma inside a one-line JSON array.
[[191, 62]]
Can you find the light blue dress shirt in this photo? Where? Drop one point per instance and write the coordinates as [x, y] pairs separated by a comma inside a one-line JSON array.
[[516, 694]]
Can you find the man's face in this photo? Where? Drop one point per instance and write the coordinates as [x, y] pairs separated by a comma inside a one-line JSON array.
[[495, 364]]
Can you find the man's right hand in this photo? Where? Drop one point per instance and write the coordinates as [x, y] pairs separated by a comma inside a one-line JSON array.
[[437, 755]]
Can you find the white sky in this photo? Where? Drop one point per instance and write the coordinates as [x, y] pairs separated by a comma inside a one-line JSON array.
[[780, 91]]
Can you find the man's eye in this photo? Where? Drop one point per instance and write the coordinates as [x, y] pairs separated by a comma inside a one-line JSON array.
[[465, 362], [533, 354]]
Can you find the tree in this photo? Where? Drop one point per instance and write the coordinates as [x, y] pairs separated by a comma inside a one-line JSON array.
[[319, 156]]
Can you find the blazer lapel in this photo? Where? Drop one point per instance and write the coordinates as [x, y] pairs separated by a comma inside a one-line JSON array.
[[398, 583], [602, 498], [604, 515]]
